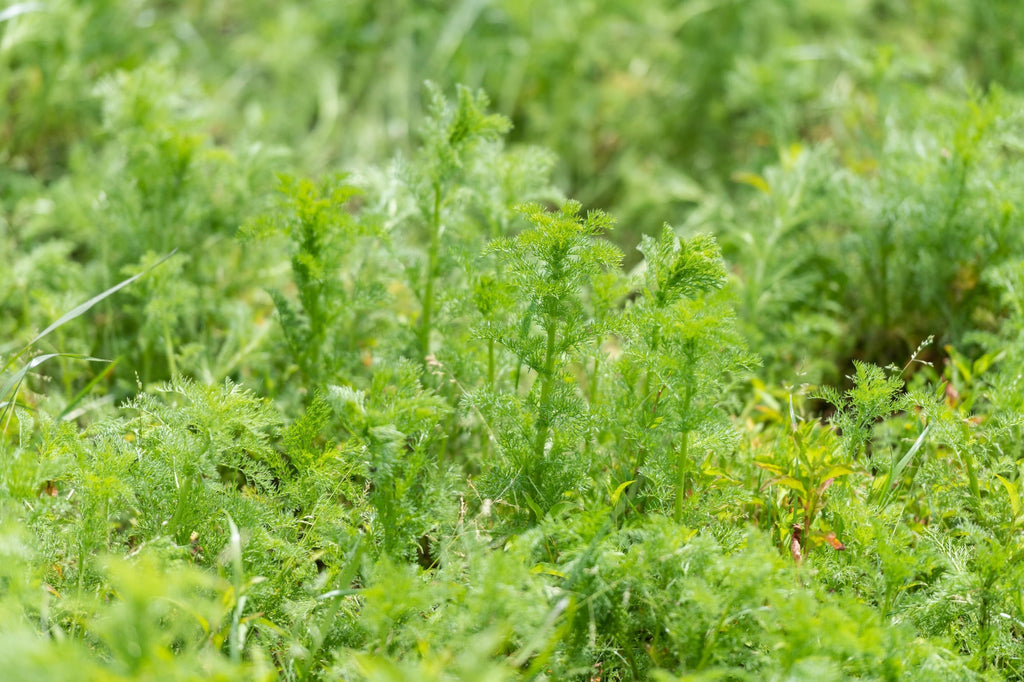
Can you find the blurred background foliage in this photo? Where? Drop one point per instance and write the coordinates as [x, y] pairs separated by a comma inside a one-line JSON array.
[[764, 122]]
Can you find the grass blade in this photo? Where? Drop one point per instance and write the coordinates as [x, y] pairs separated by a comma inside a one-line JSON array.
[[85, 391], [14, 382], [898, 468], [81, 309]]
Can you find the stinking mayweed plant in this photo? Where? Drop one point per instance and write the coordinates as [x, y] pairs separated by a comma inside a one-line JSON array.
[[477, 448], [542, 434]]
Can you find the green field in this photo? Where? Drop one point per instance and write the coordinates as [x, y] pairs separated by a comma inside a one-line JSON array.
[[512, 340]]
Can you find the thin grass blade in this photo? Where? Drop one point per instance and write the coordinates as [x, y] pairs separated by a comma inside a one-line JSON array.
[[12, 384], [84, 307]]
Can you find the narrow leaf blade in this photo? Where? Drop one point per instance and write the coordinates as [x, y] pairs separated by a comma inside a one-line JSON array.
[[84, 307]]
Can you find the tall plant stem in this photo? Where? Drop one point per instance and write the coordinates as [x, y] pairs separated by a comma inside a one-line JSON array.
[[174, 526], [592, 398], [545, 388], [683, 464], [592, 402], [428, 293], [490, 364], [484, 432]]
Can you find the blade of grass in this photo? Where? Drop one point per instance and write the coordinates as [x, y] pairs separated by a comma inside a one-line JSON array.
[[898, 467], [81, 309], [238, 630], [21, 8], [12, 385], [85, 391], [14, 382]]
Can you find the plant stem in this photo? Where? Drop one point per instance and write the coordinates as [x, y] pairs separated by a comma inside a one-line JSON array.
[[174, 527], [591, 401], [490, 364], [684, 447], [683, 474], [484, 434], [428, 293], [545, 388]]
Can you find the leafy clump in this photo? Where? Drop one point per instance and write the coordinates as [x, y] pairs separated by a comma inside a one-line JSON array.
[[331, 324], [683, 346], [547, 267]]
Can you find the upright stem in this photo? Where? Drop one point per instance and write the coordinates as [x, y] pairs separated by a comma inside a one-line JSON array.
[[683, 465], [972, 475], [545, 388], [683, 473], [432, 254], [592, 400], [490, 364], [485, 435], [593, 378], [174, 526]]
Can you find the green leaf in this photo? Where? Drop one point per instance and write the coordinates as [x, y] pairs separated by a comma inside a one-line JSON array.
[[11, 386], [836, 471], [791, 483], [618, 491], [1013, 495], [83, 308]]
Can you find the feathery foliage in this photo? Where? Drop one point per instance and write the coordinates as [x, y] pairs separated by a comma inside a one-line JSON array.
[[408, 412]]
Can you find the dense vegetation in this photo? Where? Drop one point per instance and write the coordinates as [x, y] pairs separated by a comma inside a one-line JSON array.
[[511, 340]]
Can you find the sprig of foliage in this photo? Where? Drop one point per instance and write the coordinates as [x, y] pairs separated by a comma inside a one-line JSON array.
[[547, 268], [453, 133], [683, 347], [392, 430], [876, 395], [333, 322]]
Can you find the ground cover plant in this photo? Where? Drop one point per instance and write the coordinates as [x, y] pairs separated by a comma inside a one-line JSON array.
[[511, 340]]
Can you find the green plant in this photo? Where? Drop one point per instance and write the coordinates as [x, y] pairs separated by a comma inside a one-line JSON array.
[[13, 383], [683, 348], [332, 323], [541, 434], [902, 233], [807, 468], [392, 430], [452, 135]]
